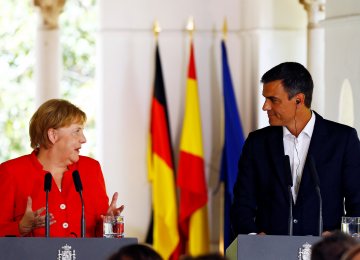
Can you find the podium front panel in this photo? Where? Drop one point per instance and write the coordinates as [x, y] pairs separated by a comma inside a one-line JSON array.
[[247, 247], [15, 248]]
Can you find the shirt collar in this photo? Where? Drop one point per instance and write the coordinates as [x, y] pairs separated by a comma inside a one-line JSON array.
[[308, 129]]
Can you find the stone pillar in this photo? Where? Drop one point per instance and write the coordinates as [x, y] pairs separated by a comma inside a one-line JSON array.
[[48, 52], [316, 50]]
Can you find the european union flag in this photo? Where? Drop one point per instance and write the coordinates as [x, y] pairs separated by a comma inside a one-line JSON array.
[[233, 143]]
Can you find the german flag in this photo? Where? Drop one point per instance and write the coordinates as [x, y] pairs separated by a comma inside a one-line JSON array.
[[193, 218], [161, 171]]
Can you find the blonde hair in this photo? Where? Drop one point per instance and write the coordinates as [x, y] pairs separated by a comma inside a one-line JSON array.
[[54, 113]]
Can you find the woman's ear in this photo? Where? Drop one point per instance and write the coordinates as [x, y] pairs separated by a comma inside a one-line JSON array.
[[52, 135]]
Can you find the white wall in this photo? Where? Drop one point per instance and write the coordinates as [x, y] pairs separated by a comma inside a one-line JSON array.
[[278, 46], [342, 8], [261, 34], [342, 55], [126, 54], [272, 32]]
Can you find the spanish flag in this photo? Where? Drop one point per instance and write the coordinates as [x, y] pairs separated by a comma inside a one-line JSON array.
[[161, 171], [193, 218]]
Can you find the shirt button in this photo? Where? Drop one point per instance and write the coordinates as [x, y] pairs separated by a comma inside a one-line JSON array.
[[295, 221], [65, 225], [62, 206]]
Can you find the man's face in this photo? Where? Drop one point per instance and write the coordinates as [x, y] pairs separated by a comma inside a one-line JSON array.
[[280, 110]]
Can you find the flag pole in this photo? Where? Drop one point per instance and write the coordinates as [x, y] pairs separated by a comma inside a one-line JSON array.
[[222, 185], [156, 29], [225, 29], [190, 27]]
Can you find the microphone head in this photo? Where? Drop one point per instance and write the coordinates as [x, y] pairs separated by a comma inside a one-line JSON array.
[[47, 182], [77, 181]]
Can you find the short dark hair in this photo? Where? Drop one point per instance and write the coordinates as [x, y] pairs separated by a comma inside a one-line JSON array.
[[295, 79], [333, 246], [136, 252]]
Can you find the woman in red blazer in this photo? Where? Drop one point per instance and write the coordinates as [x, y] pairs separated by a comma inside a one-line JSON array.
[[56, 134]]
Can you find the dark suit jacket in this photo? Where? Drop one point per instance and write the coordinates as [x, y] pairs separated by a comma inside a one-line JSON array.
[[261, 198]]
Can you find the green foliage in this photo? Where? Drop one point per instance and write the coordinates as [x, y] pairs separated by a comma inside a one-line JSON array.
[[18, 25], [16, 81]]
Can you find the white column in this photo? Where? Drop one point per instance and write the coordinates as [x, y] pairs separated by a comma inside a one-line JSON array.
[[48, 52], [48, 65], [316, 50]]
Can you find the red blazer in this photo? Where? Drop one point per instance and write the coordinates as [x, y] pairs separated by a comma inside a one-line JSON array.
[[24, 176]]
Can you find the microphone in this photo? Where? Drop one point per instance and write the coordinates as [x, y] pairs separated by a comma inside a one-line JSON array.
[[79, 188], [316, 181], [47, 189], [289, 183]]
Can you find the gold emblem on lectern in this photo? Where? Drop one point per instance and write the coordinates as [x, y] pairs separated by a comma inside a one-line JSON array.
[[305, 252], [66, 253]]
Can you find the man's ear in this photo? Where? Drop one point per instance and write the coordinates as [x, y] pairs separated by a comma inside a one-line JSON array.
[[299, 98], [52, 135]]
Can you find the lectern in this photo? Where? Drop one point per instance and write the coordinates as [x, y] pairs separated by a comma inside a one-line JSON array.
[[15, 248], [268, 247]]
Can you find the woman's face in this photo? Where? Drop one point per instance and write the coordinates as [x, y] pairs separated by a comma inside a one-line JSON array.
[[68, 142]]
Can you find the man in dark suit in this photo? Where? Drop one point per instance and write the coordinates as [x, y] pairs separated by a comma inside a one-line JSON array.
[[261, 197]]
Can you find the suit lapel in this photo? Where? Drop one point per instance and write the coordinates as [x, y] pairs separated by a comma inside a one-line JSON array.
[[318, 138], [276, 147]]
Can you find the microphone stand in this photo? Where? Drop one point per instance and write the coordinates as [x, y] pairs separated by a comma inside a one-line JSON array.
[[290, 224], [82, 215], [47, 188], [290, 184], [47, 222], [315, 177], [79, 188], [320, 210]]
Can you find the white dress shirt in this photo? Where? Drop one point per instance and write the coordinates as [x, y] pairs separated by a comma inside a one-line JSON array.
[[297, 150]]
